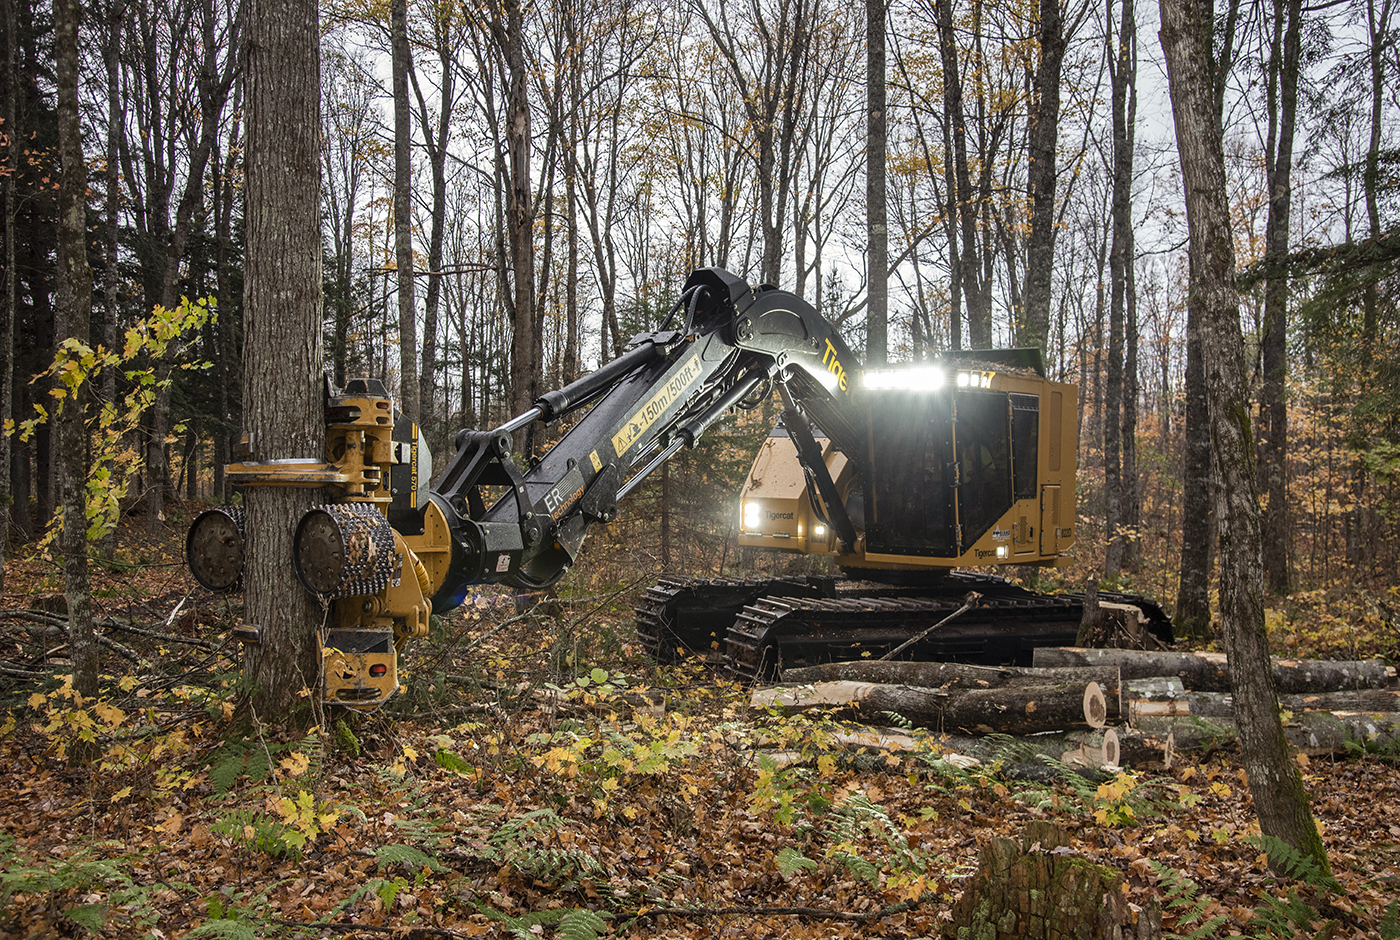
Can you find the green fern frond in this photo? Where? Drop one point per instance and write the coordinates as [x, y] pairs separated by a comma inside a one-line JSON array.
[[580, 925], [856, 865], [1180, 894], [416, 858], [790, 860], [223, 930], [521, 926], [1293, 863], [1390, 922], [898, 720]]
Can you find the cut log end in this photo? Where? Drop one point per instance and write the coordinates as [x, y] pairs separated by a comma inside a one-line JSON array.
[[1095, 707]]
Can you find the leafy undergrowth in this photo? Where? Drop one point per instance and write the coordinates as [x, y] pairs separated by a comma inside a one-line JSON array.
[[540, 778]]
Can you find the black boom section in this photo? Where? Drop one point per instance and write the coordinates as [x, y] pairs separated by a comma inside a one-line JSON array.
[[640, 408]]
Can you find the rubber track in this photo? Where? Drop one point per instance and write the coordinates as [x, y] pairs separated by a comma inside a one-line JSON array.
[[772, 634], [765, 624], [694, 614]]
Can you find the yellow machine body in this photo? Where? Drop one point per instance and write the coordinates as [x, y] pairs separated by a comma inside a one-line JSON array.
[[1014, 438]]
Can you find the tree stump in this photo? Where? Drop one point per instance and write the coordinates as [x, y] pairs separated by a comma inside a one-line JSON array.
[[1040, 890]]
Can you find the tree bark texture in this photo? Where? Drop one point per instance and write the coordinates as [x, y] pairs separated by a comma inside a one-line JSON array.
[[1030, 709], [1210, 672], [1274, 780], [1273, 400], [74, 310], [1315, 733], [1040, 177], [1192, 618], [282, 406], [524, 371], [403, 212], [877, 324], [9, 81], [1221, 705]]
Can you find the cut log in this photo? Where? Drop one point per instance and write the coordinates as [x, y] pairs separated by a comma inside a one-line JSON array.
[[950, 676], [1313, 733], [1159, 697], [1013, 710], [1040, 756], [1221, 704], [1100, 750], [1207, 672], [927, 675]]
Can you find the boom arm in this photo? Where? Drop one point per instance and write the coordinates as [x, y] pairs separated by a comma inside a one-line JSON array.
[[647, 404]]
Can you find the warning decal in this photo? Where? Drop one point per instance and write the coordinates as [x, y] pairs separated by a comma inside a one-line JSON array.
[[635, 426]]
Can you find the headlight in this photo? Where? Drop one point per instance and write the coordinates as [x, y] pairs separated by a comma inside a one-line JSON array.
[[751, 514]]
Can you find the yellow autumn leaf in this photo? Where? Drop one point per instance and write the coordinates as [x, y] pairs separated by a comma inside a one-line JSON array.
[[294, 764]]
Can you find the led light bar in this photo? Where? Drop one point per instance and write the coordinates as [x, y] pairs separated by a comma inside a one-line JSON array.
[[920, 379]]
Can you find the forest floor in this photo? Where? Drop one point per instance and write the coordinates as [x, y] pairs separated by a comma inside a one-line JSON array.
[[541, 777]]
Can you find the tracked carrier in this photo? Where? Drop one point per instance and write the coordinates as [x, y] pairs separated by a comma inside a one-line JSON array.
[[966, 462]]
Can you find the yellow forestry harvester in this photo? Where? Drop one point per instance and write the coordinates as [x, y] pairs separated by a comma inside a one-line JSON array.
[[900, 474]]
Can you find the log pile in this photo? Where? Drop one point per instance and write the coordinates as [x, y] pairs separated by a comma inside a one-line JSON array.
[[1101, 707]]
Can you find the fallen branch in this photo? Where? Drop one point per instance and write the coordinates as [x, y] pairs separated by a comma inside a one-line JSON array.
[[969, 602], [109, 623], [889, 910]]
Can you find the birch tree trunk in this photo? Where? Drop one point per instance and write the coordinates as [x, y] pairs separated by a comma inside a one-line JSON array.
[[1274, 781]]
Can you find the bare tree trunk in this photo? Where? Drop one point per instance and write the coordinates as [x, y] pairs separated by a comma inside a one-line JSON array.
[[403, 213], [1274, 781], [973, 289], [1272, 395], [282, 367], [116, 120], [435, 133], [1040, 177], [74, 309], [10, 81], [1119, 260], [571, 337], [877, 268], [1192, 616], [524, 371], [228, 355]]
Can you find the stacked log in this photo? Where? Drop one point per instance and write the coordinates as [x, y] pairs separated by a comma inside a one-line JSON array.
[[1065, 706]]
